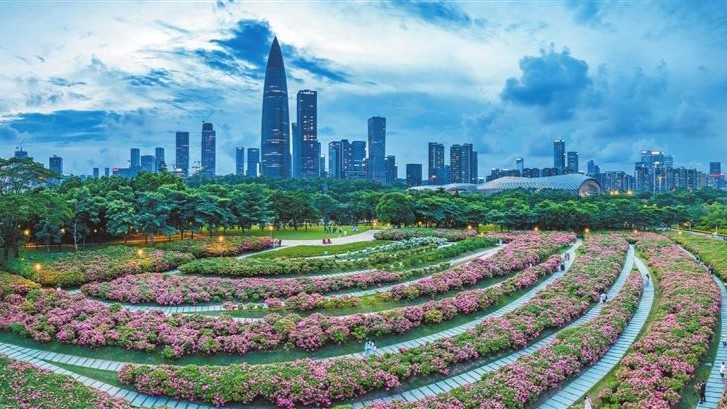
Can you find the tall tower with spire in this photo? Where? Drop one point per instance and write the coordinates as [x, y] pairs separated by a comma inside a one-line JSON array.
[[275, 130]]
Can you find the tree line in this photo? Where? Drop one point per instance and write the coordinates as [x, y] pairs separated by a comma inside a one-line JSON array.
[[162, 204]]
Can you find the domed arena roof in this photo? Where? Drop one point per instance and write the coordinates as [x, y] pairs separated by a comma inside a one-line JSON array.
[[574, 183]]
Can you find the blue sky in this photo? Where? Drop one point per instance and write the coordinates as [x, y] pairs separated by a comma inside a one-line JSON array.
[[89, 81]]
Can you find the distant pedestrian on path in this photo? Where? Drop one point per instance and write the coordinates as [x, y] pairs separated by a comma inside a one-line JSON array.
[[724, 341], [604, 297], [367, 348], [588, 403], [647, 279], [721, 371]]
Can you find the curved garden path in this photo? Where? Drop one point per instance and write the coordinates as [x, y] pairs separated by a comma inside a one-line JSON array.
[[172, 309], [474, 375], [574, 391], [476, 320]]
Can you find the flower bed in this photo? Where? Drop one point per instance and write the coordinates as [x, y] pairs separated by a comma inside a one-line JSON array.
[[76, 268], [23, 385], [203, 247], [404, 234], [574, 349], [47, 315], [11, 283], [252, 267], [395, 246], [306, 382], [663, 360]]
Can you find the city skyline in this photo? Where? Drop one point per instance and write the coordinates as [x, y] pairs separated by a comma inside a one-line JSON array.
[[657, 89]]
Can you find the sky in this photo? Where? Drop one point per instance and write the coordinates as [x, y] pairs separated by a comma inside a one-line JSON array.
[[88, 81]]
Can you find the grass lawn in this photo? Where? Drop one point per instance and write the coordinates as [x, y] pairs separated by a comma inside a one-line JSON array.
[[319, 250], [310, 233]]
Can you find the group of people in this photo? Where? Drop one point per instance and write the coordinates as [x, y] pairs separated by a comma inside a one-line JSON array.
[[333, 228], [369, 347], [327, 241]]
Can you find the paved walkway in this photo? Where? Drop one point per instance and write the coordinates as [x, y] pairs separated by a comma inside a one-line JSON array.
[[476, 320], [475, 375], [137, 399], [715, 386], [577, 389], [173, 309]]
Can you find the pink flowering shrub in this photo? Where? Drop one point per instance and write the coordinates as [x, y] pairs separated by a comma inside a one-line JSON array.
[[27, 386], [203, 247], [11, 283], [405, 234], [305, 382], [519, 384], [665, 357]]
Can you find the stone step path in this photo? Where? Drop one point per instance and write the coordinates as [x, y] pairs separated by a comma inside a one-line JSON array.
[[577, 389], [476, 320], [136, 399], [475, 375], [715, 386]]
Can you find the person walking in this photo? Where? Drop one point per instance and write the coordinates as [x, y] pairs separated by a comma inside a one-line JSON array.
[[367, 348], [721, 371], [702, 392], [724, 341], [603, 298], [647, 279], [588, 403], [373, 348]]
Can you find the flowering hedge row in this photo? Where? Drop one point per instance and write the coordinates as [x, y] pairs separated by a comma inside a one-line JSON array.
[[175, 290], [713, 252], [46, 315], [75, 268], [23, 385], [11, 283], [307, 382], [395, 246], [203, 247], [574, 349], [403, 234], [252, 267], [664, 358], [527, 249]]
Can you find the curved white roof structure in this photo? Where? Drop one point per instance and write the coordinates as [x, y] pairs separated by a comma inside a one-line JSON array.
[[574, 183]]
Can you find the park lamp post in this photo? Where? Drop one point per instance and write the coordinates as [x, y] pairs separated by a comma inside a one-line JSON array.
[[221, 239], [536, 229], [586, 231], [140, 252]]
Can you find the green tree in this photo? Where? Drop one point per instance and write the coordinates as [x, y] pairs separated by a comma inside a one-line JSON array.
[[396, 208]]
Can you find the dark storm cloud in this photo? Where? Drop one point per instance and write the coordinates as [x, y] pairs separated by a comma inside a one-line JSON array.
[[552, 81]]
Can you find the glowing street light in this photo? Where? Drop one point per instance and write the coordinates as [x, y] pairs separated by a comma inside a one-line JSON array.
[[586, 230], [37, 267], [536, 228], [221, 239], [140, 252], [26, 232]]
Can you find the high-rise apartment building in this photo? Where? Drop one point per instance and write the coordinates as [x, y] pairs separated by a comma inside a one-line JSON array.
[[182, 154], [96, 173], [358, 158], [559, 155], [239, 161], [392, 171], [147, 163], [209, 151], [306, 138], [520, 166], [413, 174], [436, 164], [572, 163], [253, 162], [135, 159], [275, 127], [463, 162], [377, 149], [55, 164], [160, 163], [335, 160], [107, 172]]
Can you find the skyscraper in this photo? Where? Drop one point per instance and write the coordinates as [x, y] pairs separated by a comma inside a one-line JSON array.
[[572, 163], [392, 171], [559, 155], [209, 152], [335, 160], [95, 173], [160, 164], [322, 165], [275, 137], [305, 160], [106, 172], [358, 158], [413, 174], [253, 162], [239, 161], [55, 164], [436, 164], [520, 166], [295, 141], [135, 160], [182, 153], [455, 163], [147, 163], [377, 149]]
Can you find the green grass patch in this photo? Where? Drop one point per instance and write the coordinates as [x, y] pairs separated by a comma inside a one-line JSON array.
[[303, 233], [320, 250]]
